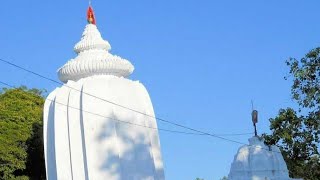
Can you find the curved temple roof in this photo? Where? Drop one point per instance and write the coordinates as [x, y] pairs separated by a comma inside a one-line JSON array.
[[93, 57], [258, 161]]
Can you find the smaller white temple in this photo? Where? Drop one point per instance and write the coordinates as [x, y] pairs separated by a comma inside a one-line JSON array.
[[257, 161]]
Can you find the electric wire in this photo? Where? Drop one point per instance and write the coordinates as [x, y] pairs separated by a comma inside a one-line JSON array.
[[114, 119], [96, 114], [160, 129], [124, 107], [198, 132]]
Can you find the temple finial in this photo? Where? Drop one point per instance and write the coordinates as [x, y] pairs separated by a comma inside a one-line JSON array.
[[254, 115], [255, 121], [90, 15]]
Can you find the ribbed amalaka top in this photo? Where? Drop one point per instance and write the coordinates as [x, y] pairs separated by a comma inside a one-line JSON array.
[[93, 58]]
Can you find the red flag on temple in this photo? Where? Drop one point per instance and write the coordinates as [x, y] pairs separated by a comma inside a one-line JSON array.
[[90, 16]]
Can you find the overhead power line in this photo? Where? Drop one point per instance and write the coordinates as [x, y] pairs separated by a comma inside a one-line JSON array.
[[114, 119], [153, 128], [126, 122], [197, 132], [119, 105]]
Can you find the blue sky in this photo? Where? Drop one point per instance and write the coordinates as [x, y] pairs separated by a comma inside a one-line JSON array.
[[202, 62]]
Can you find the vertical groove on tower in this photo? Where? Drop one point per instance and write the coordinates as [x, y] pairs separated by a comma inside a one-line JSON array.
[[68, 125], [117, 142], [51, 150], [85, 162], [151, 151]]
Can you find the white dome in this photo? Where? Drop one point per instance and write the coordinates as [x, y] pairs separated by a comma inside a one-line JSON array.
[[258, 161], [94, 59]]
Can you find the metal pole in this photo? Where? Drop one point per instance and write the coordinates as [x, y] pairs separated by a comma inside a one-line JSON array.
[[255, 129]]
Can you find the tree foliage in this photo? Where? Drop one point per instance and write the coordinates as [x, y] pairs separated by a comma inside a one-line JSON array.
[[297, 132], [306, 79], [298, 142], [224, 178], [21, 144]]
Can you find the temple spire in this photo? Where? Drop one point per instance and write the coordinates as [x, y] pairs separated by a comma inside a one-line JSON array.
[[93, 57], [90, 15]]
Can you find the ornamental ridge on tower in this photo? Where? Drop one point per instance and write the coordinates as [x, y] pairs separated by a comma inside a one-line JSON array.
[[93, 56]]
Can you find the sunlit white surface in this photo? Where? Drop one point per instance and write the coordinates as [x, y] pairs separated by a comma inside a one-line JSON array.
[[86, 137], [93, 58], [258, 161]]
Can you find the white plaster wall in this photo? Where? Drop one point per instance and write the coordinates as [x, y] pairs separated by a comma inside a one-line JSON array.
[[89, 143], [256, 162], [62, 150], [75, 133], [48, 137]]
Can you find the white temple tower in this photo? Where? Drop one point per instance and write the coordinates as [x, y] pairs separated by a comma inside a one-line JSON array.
[[87, 136], [258, 161]]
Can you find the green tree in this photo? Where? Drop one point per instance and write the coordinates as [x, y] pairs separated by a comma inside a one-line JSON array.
[[21, 144], [306, 80], [297, 132], [224, 178]]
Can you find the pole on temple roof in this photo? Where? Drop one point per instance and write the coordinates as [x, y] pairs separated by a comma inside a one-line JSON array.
[[255, 121], [254, 115]]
